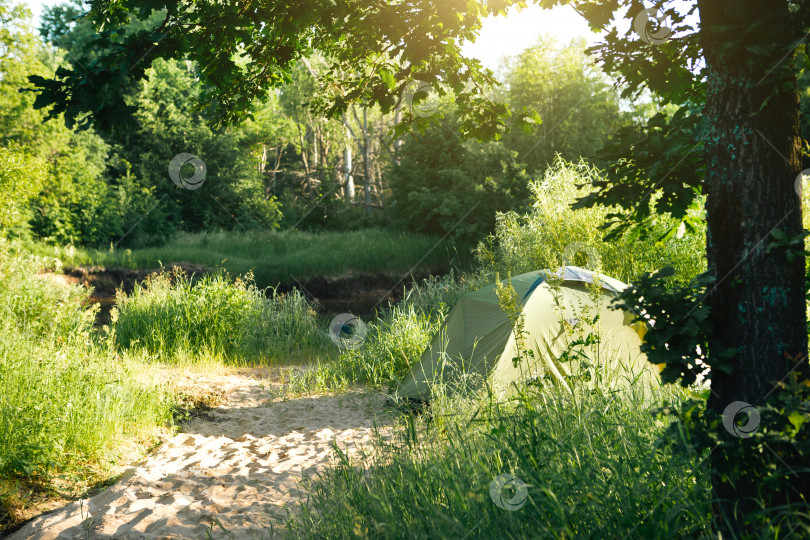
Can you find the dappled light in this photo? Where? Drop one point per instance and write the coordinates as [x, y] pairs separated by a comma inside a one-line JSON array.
[[404, 269]]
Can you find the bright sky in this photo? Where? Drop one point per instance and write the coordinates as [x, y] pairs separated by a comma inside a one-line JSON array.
[[36, 7], [507, 36]]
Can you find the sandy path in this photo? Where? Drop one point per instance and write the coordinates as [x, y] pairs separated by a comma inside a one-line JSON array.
[[240, 464]]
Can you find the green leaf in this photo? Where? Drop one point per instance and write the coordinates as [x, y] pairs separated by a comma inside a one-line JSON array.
[[797, 419]]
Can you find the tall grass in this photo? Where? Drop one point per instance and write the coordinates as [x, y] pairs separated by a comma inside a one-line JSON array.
[[552, 234], [590, 462], [68, 403], [172, 316], [280, 257], [394, 341]]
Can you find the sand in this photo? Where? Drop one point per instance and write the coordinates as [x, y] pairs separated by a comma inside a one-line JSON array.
[[238, 465]]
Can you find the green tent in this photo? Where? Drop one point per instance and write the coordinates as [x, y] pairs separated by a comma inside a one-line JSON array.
[[477, 341]]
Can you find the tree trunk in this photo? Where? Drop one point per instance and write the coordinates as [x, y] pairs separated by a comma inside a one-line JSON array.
[[367, 174], [262, 168], [315, 161], [277, 166], [397, 141], [752, 146], [347, 168], [302, 142]]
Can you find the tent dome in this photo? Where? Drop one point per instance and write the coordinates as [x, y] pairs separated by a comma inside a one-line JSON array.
[[560, 309]]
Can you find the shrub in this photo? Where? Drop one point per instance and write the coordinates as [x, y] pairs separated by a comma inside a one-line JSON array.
[[21, 176], [552, 234], [445, 185]]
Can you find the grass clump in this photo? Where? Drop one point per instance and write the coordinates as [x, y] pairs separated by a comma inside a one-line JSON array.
[[174, 316], [588, 463], [69, 404], [393, 343]]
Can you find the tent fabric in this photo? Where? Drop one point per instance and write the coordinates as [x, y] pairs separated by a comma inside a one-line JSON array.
[[477, 343]]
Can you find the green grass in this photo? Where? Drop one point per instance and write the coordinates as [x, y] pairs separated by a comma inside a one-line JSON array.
[[393, 342], [590, 461], [69, 404], [282, 257], [175, 319]]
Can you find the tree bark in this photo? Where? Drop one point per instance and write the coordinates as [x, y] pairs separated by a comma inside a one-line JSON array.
[[752, 145]]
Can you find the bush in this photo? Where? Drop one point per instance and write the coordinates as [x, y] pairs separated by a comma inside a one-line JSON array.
[[21, 176], [170, 314], [552, 234]]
